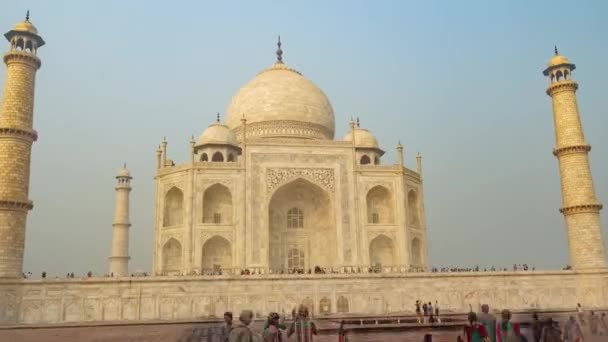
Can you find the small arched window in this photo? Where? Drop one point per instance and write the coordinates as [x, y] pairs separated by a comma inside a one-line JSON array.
[[566, 75], [28, 46], [376, 161], [204, 157], [230, 157], [559, 75], [365, 160], [375, 218], [295, 218], [217, 157], [552, 78], [20, 45]]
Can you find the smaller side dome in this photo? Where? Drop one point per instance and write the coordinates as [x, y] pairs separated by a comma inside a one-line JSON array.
[[363, 138], [217, 134], [26, 26]]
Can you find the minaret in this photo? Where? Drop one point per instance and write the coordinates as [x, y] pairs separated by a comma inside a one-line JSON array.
[[580, 207], [400, 154], [119, 257], [16, 138]]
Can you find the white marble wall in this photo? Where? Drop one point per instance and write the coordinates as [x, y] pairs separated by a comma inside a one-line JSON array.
[[175, 298]]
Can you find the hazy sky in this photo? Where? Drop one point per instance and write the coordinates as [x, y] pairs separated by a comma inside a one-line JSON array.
[[459, 81]]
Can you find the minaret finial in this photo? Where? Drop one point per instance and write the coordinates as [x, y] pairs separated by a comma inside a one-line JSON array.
[[555, 49], [279, 51], [218, 118], [358, 123], [27, 15], [124, 165]]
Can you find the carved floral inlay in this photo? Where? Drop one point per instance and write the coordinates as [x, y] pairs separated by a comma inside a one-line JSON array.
[[280, 176]]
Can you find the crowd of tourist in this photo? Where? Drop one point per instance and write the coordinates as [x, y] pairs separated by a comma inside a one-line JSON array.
[[516, 267], [302, 327], [427, 313], [317, 270], [485, 326]]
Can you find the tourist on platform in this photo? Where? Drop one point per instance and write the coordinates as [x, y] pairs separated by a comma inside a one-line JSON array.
[[425, 312], [537, 327], [550, 332], [242, 332], [604, 322], [594, 323], [475, 331], [431, 313], [507, 331], [437, 312], [226, 327], [572, 331], [581, 313], [272, 328], [418, 312], [342, 332], [303, 327]]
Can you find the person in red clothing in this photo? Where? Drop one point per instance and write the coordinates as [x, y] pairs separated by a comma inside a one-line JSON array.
[[507, 331], [475, 331]]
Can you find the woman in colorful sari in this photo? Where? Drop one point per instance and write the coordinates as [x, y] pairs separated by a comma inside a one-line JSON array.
[[475, 331], [507, 331]]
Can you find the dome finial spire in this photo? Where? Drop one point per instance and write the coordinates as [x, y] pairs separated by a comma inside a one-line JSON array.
[[279, 51], [217, 118], [27, 15], [555, 49], [358, 123]]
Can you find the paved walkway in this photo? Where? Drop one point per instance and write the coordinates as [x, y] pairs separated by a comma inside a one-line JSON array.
[[191, 332]]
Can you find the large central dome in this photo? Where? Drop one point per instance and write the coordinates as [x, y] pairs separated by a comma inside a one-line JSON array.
[[280, 102]]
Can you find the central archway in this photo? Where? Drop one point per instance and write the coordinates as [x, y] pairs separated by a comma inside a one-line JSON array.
[[302, 227]]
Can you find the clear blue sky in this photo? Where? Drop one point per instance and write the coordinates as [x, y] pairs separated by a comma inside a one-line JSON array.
[[459, 81]]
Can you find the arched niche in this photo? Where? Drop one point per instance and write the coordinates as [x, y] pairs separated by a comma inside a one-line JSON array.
[[381, 252], [172, 256], [413, 209], [217, 255], [325, 306], [217, 205], [379, 205], [217, 157], [342, 304], [416, 252], [365, 160], [174, 207]]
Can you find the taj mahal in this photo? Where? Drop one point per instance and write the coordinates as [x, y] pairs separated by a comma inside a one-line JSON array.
[[271, 190], [271, 198]]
